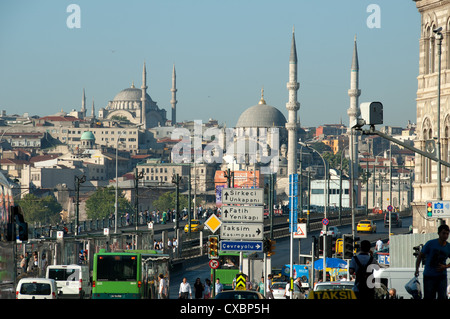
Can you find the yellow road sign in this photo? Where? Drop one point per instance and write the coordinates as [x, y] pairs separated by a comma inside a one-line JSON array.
[[241, 280]]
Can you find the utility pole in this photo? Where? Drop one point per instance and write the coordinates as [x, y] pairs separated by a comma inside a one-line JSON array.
[[176, 178], [78, 181], [137, 177]]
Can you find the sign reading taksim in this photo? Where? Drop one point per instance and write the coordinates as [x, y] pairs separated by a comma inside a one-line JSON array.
[[243, 196], [248, 214], [242, 231]]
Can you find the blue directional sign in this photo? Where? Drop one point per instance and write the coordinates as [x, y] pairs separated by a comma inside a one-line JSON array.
[[293, 202], [254, 246]]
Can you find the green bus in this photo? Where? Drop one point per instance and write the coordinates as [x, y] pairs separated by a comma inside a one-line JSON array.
[[129, 274], [227, 270]]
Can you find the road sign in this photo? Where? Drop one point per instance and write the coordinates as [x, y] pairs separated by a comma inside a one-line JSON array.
[[301, 231], [249, 214], [438, 209], [214, 264], [390, 208], [325, 221], [244, 196], [241, 280], [253, 246], [242, 231], [213, 223]]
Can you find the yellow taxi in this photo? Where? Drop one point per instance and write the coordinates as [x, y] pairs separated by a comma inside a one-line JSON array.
[[196, 226], [366, 225]]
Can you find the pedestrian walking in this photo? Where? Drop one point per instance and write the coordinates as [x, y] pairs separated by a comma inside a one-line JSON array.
[[162, 291], [207, 292], [218, 286], [185, 291], [269, 291], [435, 252], [362, 265], [199, 288]]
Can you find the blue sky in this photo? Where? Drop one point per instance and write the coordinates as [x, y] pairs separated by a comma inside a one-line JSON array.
[[224, 53]]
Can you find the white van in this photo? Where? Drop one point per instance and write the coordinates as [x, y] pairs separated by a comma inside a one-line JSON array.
[[36, 288], [398, 277], [72, 280]]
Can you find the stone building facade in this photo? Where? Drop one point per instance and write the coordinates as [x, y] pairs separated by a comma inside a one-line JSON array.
[[434, 14]]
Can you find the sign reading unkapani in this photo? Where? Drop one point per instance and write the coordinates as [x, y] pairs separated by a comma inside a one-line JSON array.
[[241, 145]]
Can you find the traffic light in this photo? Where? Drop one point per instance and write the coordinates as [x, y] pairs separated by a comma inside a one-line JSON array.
[[429, 209], [356, 245], [316, 247], [213, 251], [271, 247], [347, 247]]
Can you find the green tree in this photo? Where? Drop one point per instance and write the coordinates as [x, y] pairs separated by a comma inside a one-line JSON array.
[[40, 209], [167, 201], [101, 203]]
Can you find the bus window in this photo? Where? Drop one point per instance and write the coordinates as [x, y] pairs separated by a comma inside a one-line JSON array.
[[229, 262], [116, 268]]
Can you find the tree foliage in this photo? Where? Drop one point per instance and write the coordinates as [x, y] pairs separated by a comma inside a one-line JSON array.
[[101, 204], [40, 209], [167, 201]]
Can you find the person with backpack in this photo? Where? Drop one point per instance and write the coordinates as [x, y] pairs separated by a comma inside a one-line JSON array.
[[360, 265]]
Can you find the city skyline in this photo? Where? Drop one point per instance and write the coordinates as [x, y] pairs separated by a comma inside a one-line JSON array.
[[224, 54]]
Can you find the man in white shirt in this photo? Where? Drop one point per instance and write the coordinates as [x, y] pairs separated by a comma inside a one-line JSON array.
[[379, 244], [185, 291], [162, 291]]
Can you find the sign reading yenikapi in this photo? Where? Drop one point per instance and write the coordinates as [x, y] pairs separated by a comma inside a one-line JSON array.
[[243, 214], [242, 231], [253, 196]]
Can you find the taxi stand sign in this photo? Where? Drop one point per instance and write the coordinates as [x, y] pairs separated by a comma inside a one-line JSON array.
[[332, 294]]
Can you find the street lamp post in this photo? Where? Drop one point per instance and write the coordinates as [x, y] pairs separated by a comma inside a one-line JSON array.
[[438, 144], [324, 209]]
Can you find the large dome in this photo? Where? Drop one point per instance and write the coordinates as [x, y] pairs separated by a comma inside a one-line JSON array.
[[261, 115], [131, 94]]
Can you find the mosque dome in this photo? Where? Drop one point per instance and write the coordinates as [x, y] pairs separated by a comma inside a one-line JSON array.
[[88, 136], [130, 94], [261, 115]]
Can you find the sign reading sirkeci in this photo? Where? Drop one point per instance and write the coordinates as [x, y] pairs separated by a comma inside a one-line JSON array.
[[251, 196]]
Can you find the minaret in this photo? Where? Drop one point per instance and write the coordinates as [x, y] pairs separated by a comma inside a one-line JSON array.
[[83, 105], [143, 119], [293, 106], [174, 101], [93, 109], [353, 113]]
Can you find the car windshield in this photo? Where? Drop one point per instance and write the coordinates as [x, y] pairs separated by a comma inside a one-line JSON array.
[[364, 223], [333, 287], [279, 285]]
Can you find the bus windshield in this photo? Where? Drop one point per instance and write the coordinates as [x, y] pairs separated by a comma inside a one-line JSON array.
[[117, 268], [228, 262]]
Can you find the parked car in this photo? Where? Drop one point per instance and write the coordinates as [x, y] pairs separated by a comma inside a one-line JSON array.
[[366, 225], [395, 219], [36, 288], [279, 289], [333, 231]]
